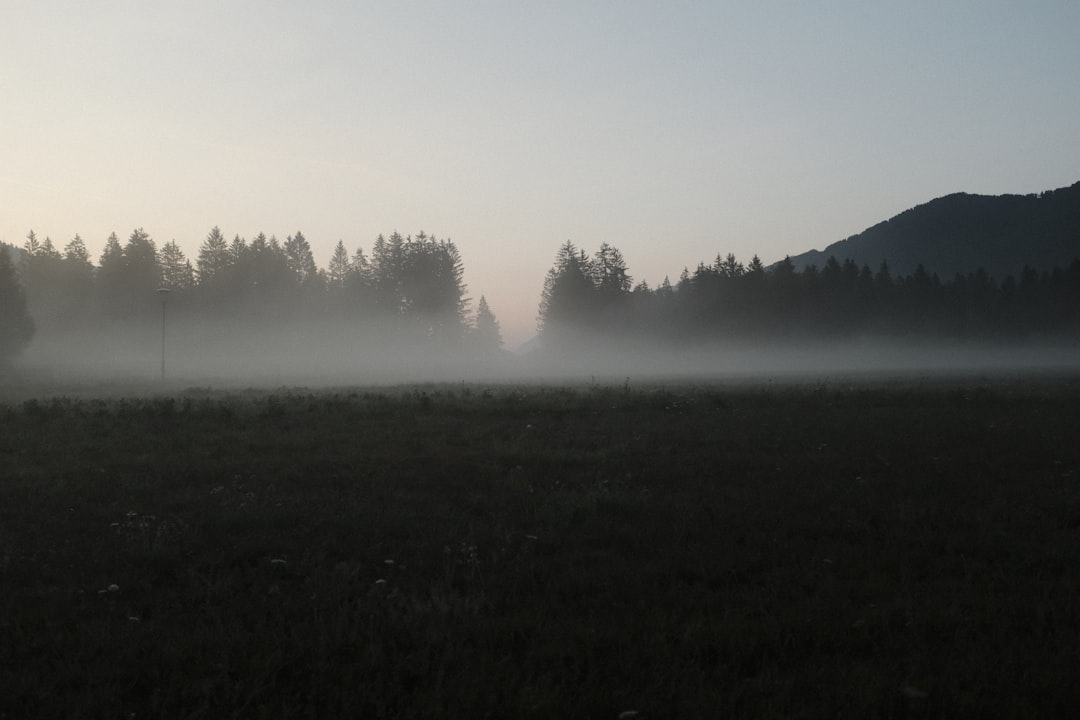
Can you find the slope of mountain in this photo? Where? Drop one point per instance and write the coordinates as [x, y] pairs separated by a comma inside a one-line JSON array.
[[962, 232]]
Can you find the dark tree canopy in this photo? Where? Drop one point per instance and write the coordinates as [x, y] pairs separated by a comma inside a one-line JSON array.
[[488, 334], [410, 288], [214, 257], [586, 300], [16, 326], [176, 270]]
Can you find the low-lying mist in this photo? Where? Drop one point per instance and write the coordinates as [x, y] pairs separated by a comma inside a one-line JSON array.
[[273, 355]]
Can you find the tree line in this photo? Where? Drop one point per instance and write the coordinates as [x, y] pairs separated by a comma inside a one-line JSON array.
[[592, 296], [412, 286]]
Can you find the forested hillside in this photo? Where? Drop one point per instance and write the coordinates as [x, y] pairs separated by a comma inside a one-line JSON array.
[[960, 267], [590, 299], [961, 233]]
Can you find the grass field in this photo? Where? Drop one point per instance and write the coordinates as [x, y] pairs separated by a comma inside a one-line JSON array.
[[867, 550]]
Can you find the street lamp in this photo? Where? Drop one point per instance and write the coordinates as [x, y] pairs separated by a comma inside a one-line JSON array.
[[164, 293]]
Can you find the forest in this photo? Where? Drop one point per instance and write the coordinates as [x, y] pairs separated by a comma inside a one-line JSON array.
[[409, 294], [587, 297], [410, 289]]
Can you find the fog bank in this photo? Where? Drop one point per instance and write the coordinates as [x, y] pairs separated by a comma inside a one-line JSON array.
[[243, 355]]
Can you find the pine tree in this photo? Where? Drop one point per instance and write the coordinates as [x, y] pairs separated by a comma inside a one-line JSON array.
[[387, 257], [568, 298], [301, 260], [214, 257], [486, 331], [730, 267], [176, 270], [360, 266], [111, 263], [237, 249], [141, 264], [48, 295], [32, 245], [48, 250], [359, 284], [611, 276], [76, 252], [339, 268], [78, 278], [261, 281], [128, 277], [110, 270], [431, 288]]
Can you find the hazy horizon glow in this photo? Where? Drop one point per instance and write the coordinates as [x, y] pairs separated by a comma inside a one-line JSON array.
[[674, 131]]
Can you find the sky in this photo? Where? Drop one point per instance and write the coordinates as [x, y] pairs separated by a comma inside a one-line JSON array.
[[672, 130]]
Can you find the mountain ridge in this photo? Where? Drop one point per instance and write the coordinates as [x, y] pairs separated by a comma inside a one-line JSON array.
[[962, 232]]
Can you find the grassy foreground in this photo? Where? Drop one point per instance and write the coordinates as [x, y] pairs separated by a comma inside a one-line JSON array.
[[538, 552]]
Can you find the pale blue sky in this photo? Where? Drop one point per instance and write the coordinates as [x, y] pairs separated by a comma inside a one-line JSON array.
[[672, 130]]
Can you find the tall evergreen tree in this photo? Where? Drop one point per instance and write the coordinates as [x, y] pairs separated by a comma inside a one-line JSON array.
[[78, 275], [110, 270], [176, 270], [610, 273], [360, 266], [44, 282], [730, 267], [431, 287], [214, 257], [48, 250], [32, 245], [612, 282], [300, 258], [237, 248], [339, 268], [486, 331], [755, 266], [387, 258], [75, 251], [567, 300], [265, 282], [129, 277], [359, 285], [143, 274]]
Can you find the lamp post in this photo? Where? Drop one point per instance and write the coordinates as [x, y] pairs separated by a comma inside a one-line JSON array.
[[164, 293]]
